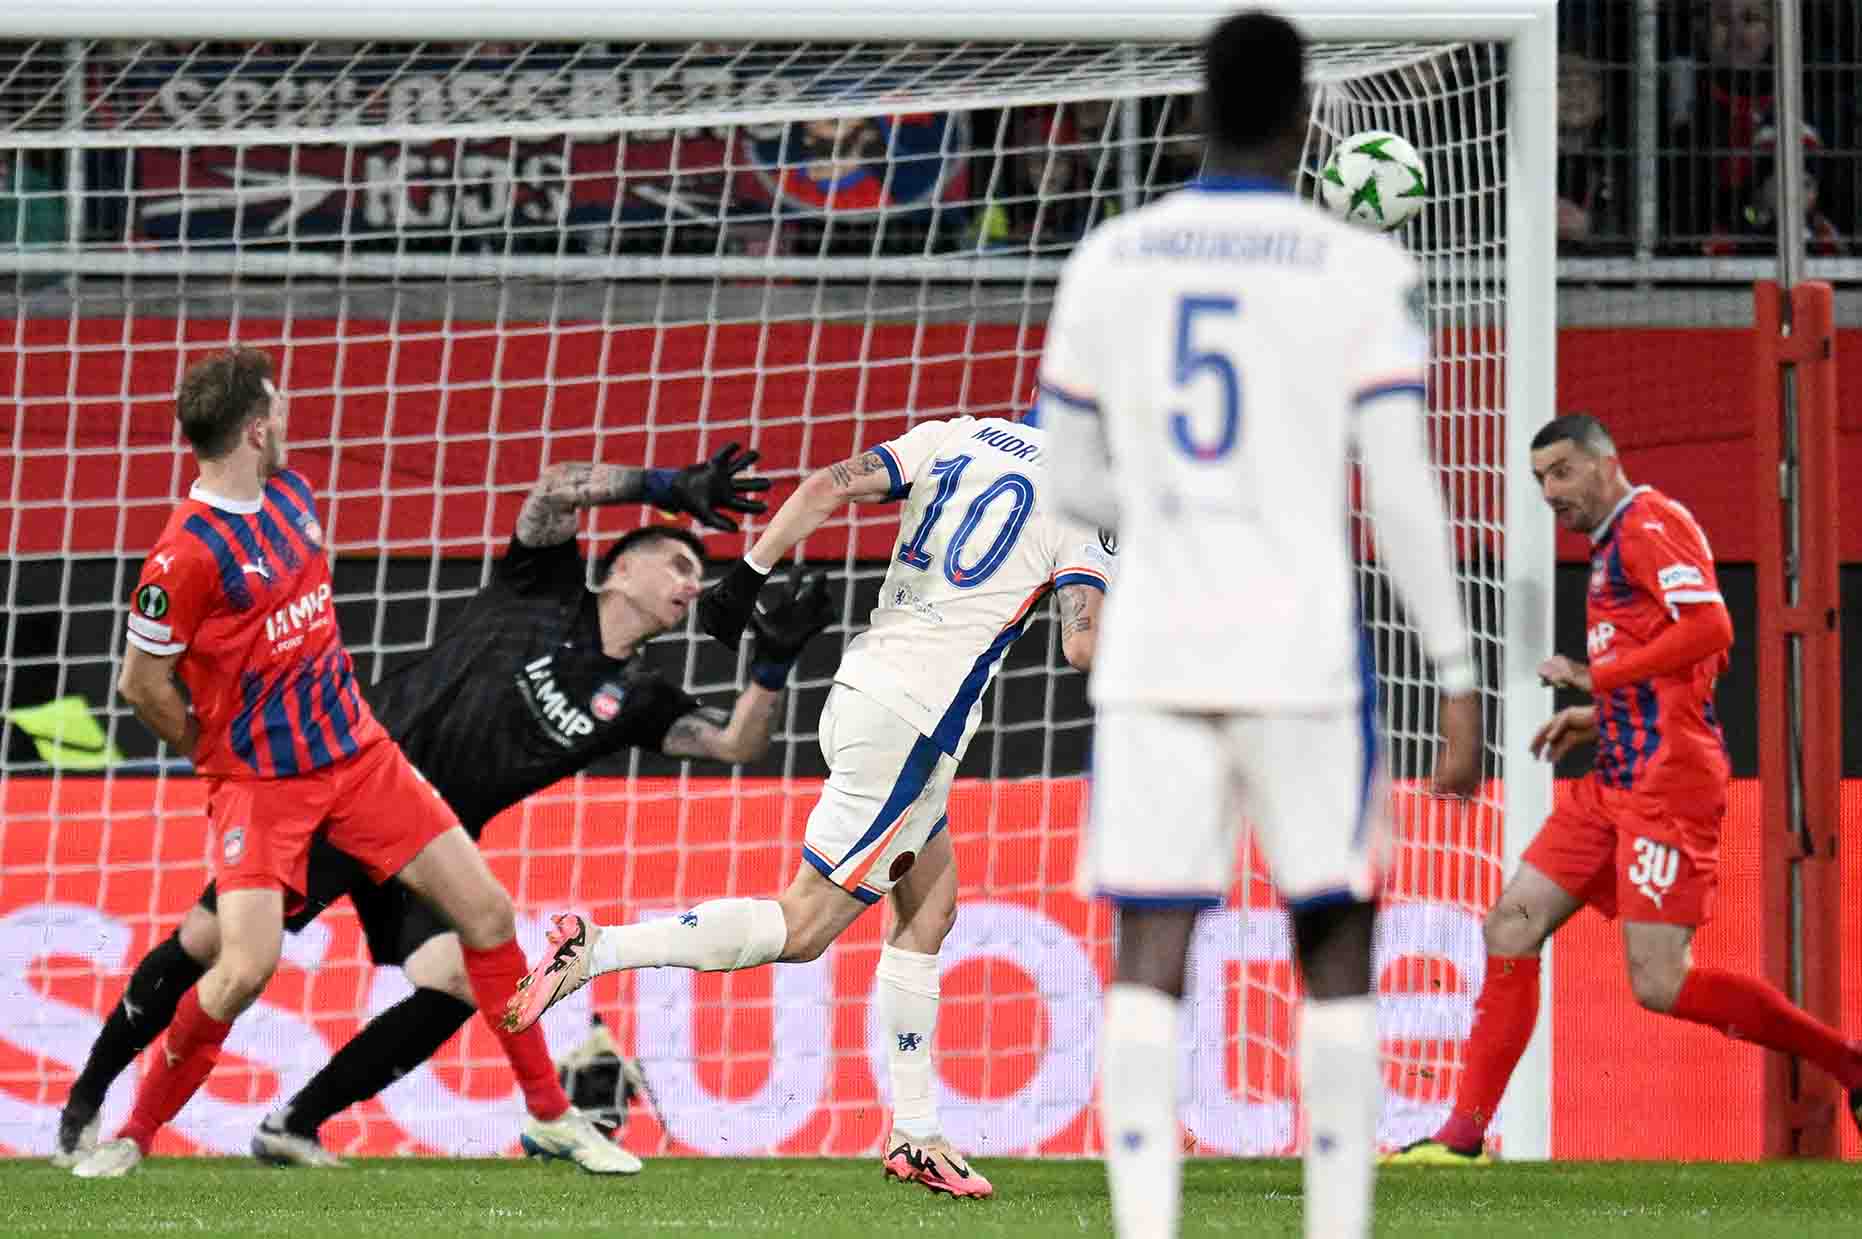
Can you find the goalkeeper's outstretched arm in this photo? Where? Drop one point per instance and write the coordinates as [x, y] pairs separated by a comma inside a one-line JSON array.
[[707, 490], [549, 515]]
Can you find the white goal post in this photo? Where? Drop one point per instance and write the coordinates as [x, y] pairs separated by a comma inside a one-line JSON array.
[[484, 235]]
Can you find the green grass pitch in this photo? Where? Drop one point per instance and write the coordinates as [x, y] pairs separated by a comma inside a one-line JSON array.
[[832, 1199]]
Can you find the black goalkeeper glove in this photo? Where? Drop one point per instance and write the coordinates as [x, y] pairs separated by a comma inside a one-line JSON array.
[[799, 615], [710, 489], [725, 608]]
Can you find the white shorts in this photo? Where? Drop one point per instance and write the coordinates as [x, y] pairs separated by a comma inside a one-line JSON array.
[[1171, 791], [884, 799]]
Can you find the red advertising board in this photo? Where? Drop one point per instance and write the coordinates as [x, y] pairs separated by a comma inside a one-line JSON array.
[[786, 1059]]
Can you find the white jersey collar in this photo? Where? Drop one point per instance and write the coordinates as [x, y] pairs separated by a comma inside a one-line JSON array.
[[1603, 527], [244, 507]]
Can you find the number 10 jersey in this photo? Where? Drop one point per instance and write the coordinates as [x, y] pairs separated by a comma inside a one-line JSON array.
[[979, 545]]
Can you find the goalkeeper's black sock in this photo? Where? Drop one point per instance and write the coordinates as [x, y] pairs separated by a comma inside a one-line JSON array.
[[393, 1044], [146, 1008]]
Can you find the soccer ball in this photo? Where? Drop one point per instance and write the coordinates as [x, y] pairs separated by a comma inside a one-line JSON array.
[[1374, 178]]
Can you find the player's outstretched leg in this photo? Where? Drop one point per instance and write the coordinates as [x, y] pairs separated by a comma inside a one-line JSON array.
[[389, 1046], [395, 1042], [720, 935], [1664, 978], [566, 967], [145, 1009], [392, 1044], [924, 906]]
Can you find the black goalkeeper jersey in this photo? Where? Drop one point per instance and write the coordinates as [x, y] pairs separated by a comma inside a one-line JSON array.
[[518, 693]]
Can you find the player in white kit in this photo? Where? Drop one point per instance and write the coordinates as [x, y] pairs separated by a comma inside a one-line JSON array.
[[1210, 364], [979, 546]]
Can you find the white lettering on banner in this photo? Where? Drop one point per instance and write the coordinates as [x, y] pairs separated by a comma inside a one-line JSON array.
[[1062, 1085], [1221, 1121], [318, 100], [1224, 1123], [430, 1116], [802, 999], [435, 189], [1418, 930], [425, 1108], [50, 1028]]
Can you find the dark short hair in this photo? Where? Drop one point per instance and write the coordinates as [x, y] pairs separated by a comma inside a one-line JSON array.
[[219, 395], [1254, 80], [1579, 428], [646, 535]]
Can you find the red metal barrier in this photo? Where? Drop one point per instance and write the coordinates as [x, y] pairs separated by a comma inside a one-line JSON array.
[[1801, 733]]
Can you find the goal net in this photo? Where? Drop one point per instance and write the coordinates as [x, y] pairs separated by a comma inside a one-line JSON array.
[[471, 260]]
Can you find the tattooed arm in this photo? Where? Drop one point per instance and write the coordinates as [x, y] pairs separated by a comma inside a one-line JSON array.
[[740, 736], [862, 478], [549, 513], [1079, 623]]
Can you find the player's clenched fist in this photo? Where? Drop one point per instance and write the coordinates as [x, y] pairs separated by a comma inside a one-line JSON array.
[[1565, 731]]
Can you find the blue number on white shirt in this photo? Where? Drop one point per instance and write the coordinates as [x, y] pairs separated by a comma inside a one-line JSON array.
[[947, 472], [1192, 362], [1022, 490]]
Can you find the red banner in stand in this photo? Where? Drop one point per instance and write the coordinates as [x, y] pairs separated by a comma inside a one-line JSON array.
[[787, 1059]]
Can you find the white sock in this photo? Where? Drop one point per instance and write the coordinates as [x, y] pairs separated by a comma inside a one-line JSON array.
[[720, 935], [908, 992], [1341, 1084], [1138, 1111]]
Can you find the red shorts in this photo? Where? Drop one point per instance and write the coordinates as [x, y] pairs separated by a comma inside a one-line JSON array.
[[1631, 855], [374, 806]]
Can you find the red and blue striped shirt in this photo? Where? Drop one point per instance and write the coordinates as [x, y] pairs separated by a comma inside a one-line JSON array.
[[241, 590], [1658, 736]]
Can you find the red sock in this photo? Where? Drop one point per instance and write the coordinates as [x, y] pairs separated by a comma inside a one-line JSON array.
[[1504, 1014], [178, 1067], [1748, 1009], [494, 975]]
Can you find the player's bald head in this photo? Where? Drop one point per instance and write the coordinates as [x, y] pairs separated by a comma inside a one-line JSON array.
[[1254, 83], [219, 395], [1581, 430]]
